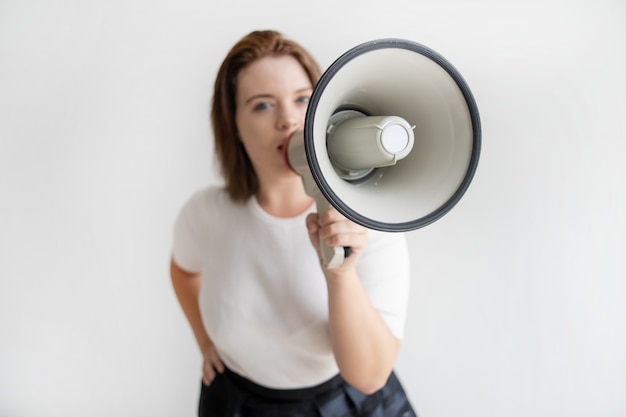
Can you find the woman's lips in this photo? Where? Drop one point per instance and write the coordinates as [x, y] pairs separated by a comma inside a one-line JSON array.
[[283, 148]]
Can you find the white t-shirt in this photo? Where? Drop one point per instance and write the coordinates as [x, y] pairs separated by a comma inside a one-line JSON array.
[[263, 298]]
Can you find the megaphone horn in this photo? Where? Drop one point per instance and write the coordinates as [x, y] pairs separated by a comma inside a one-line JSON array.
[[391, 138]]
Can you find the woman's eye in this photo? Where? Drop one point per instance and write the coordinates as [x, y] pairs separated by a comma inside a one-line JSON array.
[[262, 106], [304, 99]]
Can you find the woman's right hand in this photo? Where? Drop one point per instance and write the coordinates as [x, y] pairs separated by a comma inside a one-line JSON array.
[[211, 364]]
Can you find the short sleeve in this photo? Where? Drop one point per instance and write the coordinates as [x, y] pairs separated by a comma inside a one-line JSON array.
[[187, 243], [384, 269]]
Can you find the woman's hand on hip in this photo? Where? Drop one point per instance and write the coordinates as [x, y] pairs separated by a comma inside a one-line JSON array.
[[212, 364]]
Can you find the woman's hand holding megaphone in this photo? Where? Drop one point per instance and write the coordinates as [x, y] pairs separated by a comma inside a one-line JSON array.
[[332, 230]]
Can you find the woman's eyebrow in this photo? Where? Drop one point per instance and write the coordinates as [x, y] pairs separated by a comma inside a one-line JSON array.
[[271, 96], [259, 96]]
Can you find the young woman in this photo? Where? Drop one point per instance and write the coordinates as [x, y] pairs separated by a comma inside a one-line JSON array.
[[280, 334]]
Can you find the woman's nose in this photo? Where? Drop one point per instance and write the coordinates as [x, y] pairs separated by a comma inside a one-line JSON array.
[[288, 118]]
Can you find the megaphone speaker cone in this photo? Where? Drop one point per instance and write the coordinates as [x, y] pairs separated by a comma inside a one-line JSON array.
[[435, 113]]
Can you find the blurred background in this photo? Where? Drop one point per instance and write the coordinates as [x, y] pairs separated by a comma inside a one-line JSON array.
[[518, 298]]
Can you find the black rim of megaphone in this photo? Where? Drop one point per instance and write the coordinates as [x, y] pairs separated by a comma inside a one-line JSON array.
[[309, 144]]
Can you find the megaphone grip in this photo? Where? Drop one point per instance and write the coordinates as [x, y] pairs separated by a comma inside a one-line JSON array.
[[332, 256]]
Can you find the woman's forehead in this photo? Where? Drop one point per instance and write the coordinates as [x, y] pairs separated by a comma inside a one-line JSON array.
[[272, 75]]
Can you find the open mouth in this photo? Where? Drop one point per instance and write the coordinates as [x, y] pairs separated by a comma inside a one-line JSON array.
[[282, 147]]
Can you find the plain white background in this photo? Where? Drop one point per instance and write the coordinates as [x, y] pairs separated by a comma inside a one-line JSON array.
[[518, 298]]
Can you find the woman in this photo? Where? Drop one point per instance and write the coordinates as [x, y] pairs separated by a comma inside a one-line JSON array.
[[279, 333]]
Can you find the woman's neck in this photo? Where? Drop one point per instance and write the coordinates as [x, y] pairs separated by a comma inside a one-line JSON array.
[[284, 199]]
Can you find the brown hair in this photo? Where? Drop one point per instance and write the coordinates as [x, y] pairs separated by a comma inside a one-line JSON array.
[[241, 179]]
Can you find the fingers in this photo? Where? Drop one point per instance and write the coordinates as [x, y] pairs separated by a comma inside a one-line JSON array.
[[209, 371], [312, 223], [336, 230], [212, 365], [208, 375]]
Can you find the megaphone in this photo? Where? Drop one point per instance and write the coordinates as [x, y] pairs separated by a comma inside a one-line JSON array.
[[391, 138]]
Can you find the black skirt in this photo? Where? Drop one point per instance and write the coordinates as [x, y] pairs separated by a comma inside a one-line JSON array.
[[231, 395]]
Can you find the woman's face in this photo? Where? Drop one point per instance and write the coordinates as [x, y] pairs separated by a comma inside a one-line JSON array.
[[271, 102]]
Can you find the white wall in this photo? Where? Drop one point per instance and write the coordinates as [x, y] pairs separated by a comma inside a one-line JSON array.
[[518, 301]]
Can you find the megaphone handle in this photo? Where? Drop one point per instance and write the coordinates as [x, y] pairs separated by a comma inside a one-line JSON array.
[[332, 256]]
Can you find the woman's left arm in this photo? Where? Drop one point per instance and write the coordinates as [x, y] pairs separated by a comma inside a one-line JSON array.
[[365, 349]]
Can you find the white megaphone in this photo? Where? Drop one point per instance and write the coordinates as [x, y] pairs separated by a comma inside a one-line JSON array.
[[391, 138]]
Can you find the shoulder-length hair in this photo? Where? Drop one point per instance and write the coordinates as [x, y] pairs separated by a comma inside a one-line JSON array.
[[241, 181]]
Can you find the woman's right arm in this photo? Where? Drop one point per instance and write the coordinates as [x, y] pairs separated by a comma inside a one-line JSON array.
[[186, 287]]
